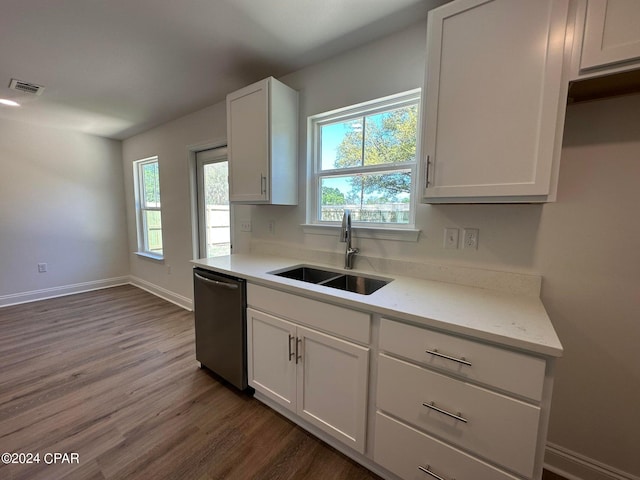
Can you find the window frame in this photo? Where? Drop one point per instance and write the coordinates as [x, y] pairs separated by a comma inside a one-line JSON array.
[[141, 208], [369, 108]]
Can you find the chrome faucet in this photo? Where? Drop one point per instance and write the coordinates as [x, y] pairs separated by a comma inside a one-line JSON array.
[[345, 236]]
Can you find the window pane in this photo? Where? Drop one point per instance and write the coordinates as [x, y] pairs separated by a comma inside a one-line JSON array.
[[153, 231], [371, 197], [216, 215], [341, 144], [151, 185], [390, 137]]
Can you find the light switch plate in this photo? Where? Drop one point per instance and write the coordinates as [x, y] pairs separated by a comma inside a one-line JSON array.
[[451, 238]]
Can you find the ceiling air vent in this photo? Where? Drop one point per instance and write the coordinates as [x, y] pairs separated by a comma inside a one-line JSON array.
[[26, 87]]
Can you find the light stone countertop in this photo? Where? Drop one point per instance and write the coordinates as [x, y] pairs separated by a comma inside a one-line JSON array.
[[516, 321]]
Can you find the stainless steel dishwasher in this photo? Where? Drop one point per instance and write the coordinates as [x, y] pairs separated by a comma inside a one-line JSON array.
[[220, 303]]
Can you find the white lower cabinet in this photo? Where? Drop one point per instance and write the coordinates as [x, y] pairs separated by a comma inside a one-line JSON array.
[[452, 408], [441, 406], [411, 454], [271, 364], [494, 426], [321, 378]]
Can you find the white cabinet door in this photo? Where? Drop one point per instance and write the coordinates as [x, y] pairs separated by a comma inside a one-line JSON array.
[[271, 357], [262, 139], [612, 33], [320, 377], [248, 143], [332, 386], [493, 103]]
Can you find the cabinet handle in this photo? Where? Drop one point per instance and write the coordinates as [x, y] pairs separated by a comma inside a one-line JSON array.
[[298, 345], [215, 283], [291, 353], [426, 175], [429, 472], [461, 360], [263, 184], [457, 416]]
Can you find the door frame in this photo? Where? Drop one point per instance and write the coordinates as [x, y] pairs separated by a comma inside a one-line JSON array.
[[193, 190]]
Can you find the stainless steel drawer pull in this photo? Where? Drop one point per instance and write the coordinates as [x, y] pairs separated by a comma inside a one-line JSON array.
[[447, 357], [429, 472], [457, 416], [230, 286], [291, 352], [298, 345]]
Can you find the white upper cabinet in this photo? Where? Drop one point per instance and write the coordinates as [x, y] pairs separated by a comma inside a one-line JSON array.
[[611, 33], [494, 101], [262, 138]]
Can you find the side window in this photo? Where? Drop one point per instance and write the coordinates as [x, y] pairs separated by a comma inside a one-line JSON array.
[[148, 210]]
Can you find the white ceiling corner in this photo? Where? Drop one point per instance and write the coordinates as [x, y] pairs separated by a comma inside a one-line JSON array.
[[116, 68]]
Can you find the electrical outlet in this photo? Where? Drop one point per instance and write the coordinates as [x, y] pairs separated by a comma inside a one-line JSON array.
[[245, 226], [42, 268], [451, 238], [470, 238], [271, 227], [168, 269]]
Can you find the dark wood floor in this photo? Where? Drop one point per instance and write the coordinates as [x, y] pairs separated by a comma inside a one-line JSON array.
[[111, 375]]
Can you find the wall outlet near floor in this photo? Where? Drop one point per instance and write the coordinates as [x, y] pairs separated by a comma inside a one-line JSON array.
[[470, 238], [42, 268], [450, 238], [245, 226]]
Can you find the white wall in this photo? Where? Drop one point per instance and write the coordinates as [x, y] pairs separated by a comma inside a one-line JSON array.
[[171, 142], [61, 203], [587, 249], [590, 286], [396, 64]]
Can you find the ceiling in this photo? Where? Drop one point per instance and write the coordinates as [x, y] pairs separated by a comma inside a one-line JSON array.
[[115, 68]]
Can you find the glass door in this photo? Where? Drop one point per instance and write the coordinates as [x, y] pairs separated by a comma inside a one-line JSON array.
[[214, 216]]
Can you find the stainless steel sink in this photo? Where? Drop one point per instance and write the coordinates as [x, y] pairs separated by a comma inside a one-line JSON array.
[[308, 274], [327, 278], [356, 284]]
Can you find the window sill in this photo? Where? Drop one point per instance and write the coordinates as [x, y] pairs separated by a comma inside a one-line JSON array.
[[378, 233], [151, 256]]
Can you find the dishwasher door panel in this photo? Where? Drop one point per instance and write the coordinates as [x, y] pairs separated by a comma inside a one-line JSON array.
[[220, 326]]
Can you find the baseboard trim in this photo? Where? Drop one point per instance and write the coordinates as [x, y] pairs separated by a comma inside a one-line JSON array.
[[53, 292], [574, 466], [163, 293]]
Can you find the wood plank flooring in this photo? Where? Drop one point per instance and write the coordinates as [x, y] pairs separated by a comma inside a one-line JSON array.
[[111, 375]]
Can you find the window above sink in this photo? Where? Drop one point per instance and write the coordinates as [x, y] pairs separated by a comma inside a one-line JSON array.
[[364, 159]]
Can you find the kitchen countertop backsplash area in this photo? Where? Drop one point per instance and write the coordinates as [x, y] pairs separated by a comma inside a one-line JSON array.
[[508, 282]]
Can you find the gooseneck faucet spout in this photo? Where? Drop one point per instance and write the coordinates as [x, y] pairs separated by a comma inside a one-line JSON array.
[[345, 236]]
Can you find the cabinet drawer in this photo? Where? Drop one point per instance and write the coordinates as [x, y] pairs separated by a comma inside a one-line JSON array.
[[494, 426], [319, 315], [504, 369], [402, 449]]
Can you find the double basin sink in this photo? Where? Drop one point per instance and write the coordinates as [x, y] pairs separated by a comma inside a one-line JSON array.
[[327, 278]]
